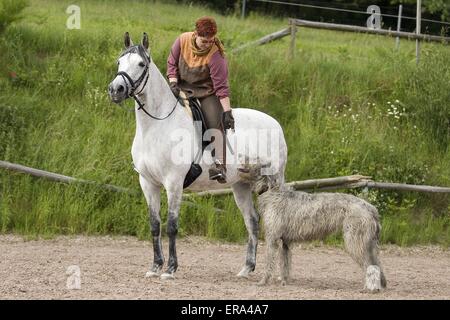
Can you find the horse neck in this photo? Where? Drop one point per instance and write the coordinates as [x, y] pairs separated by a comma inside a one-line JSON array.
[[159, 101]]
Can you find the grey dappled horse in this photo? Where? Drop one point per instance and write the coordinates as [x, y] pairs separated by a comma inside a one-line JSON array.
[[166, 143]]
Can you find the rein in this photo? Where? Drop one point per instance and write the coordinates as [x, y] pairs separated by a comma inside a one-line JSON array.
[[130, 90]]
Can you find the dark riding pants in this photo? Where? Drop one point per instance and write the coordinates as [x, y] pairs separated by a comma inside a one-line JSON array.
[[212, 111]]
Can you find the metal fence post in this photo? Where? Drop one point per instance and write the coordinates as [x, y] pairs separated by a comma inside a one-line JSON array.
[[243, 9], [399, 22], [418, 18]]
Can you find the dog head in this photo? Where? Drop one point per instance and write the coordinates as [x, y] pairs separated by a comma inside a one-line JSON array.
[[251, 172]]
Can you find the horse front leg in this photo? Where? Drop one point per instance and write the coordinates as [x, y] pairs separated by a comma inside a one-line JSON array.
[[174, 195], [152, 194], [243, 197]]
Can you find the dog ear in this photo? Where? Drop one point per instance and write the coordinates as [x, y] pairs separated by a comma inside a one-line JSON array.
[[245, 173], [244, 159], [263, 189], [267, 164]]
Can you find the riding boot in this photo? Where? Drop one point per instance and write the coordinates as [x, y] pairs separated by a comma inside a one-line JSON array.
[[219, 172], [212, 111]]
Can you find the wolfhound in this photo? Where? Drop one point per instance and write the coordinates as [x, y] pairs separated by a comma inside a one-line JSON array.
[[293, 216]]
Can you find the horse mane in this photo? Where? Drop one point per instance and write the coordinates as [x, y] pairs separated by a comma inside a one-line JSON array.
[[140, 50]]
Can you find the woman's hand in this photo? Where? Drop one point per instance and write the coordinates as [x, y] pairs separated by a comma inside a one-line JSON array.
[[175, 88], [228, 120]]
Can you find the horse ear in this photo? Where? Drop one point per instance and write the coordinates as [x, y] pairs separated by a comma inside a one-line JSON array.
[[145, 41], [127, 40]]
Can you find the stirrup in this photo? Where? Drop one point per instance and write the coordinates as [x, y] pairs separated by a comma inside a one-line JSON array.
[[219, 177], [218, 173]]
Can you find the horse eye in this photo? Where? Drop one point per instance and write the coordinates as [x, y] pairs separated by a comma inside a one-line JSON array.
[[141, 64]]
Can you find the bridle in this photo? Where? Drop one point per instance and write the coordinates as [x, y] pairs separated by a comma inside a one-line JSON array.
[[134, 85]]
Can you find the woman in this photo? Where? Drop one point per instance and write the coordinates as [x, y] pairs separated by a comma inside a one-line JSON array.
[[197, 66]]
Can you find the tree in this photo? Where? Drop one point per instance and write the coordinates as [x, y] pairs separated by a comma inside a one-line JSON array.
[[440, 7]]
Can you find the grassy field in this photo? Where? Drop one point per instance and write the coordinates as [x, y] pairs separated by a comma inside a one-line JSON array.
[[349, 104]]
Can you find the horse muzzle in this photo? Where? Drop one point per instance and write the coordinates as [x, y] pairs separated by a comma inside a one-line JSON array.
[[117, 92]]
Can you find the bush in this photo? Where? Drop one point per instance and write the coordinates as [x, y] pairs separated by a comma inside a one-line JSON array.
[[10, 11]]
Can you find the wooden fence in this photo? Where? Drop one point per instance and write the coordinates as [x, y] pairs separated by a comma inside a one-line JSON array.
[[354, 181], [294, 24]]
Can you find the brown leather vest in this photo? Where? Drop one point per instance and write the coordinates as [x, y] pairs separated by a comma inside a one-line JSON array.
[[195, 78]]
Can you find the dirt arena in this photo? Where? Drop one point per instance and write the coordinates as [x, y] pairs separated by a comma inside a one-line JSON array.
[[114, 268]]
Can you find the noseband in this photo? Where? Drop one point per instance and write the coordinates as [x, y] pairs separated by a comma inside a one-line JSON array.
[[131, 89], [139, 49]]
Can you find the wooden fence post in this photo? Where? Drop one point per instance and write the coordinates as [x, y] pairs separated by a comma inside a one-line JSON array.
[[293, 35]]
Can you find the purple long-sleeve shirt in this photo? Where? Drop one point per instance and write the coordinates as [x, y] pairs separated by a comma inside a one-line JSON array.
[[217, 64]]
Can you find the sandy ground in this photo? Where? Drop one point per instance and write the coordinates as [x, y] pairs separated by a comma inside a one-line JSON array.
[[114, 268]]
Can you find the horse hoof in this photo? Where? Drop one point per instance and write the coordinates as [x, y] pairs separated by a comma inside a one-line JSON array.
[[374, 291], [167, 276], [243, 274], [151, 274], [262, 283]]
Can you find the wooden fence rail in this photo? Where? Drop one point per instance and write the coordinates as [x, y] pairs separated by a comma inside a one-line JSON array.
[[349, 28], [294, 23], [266, 39], [345, 182], [66, 179], [57, 177]]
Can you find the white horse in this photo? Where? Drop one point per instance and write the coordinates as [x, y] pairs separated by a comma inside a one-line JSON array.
[[164, 130]]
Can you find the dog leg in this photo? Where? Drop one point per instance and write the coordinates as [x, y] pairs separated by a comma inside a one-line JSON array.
[[285, 263], [271, 252]]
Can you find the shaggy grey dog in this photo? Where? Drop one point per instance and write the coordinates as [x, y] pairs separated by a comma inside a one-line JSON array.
[[293, 216]]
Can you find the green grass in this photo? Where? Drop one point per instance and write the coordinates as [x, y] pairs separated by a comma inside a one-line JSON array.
[[349, 104]]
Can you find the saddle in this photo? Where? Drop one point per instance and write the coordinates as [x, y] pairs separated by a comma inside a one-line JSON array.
[[192, 107]]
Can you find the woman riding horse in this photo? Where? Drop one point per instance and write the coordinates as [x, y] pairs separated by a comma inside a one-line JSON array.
[[197, 66], [162, 127]]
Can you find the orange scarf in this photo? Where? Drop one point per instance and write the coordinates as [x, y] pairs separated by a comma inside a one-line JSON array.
[[204, 52]]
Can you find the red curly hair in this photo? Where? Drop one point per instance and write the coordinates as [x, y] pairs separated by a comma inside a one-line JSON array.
[[206, 27]]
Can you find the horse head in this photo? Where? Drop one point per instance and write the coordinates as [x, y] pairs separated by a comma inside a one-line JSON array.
[[133, 70]]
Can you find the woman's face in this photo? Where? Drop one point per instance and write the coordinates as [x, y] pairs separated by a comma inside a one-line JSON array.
[[204, 42]]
